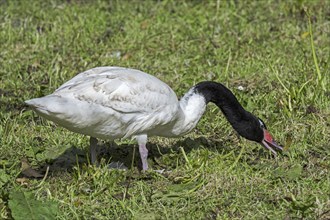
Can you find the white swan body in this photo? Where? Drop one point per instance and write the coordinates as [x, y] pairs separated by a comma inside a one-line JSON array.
[[115, 102]]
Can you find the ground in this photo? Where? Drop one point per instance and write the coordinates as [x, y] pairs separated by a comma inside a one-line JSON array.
[[274, 56]]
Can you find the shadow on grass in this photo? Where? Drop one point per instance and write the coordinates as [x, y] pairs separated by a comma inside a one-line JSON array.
[[160, 156]]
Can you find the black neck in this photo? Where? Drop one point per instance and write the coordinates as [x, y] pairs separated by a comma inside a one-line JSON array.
[[226, 101]]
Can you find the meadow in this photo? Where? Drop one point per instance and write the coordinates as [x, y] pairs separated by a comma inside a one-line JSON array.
[[273, 55]]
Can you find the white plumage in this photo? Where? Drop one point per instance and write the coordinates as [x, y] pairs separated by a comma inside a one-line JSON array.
[[115, 102]]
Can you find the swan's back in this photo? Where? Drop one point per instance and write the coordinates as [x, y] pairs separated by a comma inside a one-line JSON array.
[[111, 102]]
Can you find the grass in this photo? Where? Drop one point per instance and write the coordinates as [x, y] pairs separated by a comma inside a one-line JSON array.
[[277, 51]]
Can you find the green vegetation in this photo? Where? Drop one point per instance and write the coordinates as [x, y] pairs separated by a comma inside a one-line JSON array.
[[278, 51]]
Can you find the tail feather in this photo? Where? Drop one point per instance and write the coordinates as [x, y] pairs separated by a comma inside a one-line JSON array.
[[60, 110], [48, 104]]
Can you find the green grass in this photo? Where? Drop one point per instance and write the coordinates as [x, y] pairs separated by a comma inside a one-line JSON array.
[[264, 46]]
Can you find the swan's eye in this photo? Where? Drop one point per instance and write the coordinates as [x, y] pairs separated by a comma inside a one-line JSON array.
[[262, 124]]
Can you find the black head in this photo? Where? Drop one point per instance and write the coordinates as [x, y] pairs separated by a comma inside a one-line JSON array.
[[255, 129], [250, 127]]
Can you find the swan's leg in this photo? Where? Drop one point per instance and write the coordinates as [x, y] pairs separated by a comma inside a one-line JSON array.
[[142, 141], [93, 146]]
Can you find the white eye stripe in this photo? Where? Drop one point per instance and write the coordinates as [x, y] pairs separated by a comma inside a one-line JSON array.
[[262, 125]]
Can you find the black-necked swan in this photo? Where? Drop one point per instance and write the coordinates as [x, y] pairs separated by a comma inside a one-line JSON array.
[[115, 102]]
